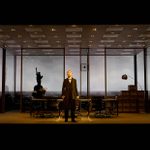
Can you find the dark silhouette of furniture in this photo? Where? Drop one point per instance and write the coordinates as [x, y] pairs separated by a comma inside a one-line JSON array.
[[131, 100]]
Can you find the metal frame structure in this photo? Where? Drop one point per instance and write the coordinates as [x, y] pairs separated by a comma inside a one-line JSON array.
[[2, 102]]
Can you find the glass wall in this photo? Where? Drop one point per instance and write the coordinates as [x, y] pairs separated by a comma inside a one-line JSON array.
[[140, 71], [9, 80], [148, 72], [73, 63], [50, 67], [116, 67], [9, 84], [0, 72], [97, 79]]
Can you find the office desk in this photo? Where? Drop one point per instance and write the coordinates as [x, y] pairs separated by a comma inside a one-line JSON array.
[[79, 102], [112, 102], [44, 105]]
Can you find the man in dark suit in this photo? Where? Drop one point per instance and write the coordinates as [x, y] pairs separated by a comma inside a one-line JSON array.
[[69, 95]]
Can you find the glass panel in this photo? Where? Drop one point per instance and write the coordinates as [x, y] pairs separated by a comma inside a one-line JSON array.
[[9, 84], [148, 72], [0, 72], [97, 80], [140, 71], [73, 63], [116, 67], [50, 67]]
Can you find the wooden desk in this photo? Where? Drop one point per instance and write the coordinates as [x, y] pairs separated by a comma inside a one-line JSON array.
[[44, 105], [112, 101], [80, 102]]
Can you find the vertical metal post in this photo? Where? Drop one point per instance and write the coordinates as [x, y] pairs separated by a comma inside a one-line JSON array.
[[2, 102], [135, 70], [145, 81], [15, 63], [80, 74], [21, 77], [88, 73], [64, 64], [105, 71]]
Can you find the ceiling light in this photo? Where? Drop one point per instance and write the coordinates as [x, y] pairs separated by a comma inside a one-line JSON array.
[[138, 41], [114, 29], [74, 41], [100, 50], [74, 50], [49, 53], [44, 45], [94, 29], [13, 29], [19, 36], [14, 46], [110, 36], [73, 30], [127, 50], [73, 35], [73, 25], [101, 45], [4, 36], [107, 41], [41, 41], [11, 41], [47, 50], [73, 46], [53, 29], [144, 35], [37, 36], [135, 29], [55, 36], [33, 29]]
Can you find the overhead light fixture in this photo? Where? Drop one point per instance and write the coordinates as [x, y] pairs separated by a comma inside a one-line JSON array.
[[74, 26], [53, 29], [74, 41], [49, 53], [13, 29], [14, 46], [107, 41], [44, 45], [110, 35], [114, 29], [74, 50], [33, 29], [73, 30], [73, 35], [10, 41], [37, 36], [4, 36], [74, 46], [41, 41], [135, 29], [94, 29], [101, 45], [47, 50], [19, 36], [100, 50]]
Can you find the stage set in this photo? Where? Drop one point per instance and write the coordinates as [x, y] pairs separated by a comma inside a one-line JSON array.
[[109, 62]]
